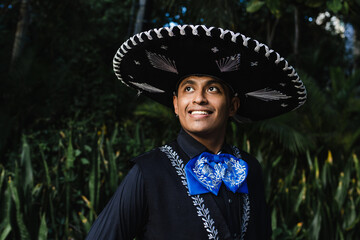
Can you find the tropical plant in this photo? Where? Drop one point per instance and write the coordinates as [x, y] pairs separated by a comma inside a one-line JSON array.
[[309, 197], [56, 190]]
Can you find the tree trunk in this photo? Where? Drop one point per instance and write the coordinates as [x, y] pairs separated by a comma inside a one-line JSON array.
[[271, 31], [131, 20], [296, 34], [356, 49], [20, 34], [140, 17]]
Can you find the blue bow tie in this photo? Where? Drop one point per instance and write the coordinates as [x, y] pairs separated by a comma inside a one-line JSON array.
[[206, 172]]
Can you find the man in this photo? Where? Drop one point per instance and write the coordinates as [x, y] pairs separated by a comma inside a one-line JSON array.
[[198, 186]]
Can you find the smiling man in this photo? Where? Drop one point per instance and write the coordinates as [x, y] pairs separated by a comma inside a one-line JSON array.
[[204, 105], [198, 186]]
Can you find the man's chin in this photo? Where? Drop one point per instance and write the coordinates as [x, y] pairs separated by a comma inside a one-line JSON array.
[[203, 132]]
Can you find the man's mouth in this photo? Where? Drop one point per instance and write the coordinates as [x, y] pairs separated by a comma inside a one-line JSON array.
[[200, 112]]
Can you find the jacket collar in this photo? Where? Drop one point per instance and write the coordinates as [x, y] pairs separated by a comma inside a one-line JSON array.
[[192, 147]]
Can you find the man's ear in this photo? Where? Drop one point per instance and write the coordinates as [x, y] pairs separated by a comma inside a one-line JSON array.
[[234, 105], [175, 99]]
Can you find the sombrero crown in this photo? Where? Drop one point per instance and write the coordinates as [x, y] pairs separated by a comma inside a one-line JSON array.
[[154, 61]]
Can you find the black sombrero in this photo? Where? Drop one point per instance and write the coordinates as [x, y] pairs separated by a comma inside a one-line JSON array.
[[154, 61]]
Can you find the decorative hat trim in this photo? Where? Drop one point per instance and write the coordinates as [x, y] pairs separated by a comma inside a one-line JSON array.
[[229, 64], [147, 87], [267, 94], [161, 62]]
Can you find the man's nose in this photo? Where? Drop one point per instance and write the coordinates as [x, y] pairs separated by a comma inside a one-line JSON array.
[[200, 97]]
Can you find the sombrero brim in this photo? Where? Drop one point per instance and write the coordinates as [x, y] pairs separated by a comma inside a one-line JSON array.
[[154, 61]]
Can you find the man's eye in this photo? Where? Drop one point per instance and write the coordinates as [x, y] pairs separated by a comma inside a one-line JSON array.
[[188, 89], [213, 89]]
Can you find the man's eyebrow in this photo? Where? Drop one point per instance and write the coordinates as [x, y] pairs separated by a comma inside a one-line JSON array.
[[214, 81], [188, 81]]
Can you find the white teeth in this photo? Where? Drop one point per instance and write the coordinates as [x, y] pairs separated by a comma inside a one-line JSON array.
[[200, 112]]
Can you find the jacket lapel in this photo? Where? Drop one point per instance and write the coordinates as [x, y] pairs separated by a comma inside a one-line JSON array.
[[220, 222]]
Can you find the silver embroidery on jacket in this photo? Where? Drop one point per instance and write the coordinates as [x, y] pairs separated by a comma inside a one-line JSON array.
[[246, 215], [198, 201], [246, 203]]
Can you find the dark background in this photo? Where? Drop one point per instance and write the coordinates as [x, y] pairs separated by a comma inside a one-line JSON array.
[[69, 127]]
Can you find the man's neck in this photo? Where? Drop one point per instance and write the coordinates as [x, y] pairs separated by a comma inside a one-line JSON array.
[[210, 141]]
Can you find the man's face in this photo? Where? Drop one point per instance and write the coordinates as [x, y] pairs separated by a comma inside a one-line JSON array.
[[204, 105]]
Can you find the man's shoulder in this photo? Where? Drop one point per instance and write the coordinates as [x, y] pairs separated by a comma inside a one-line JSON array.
[[153, 155], [249, 159], [153, 164], [246, 155]]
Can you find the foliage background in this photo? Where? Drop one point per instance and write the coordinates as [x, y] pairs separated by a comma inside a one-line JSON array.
[[69, 128]]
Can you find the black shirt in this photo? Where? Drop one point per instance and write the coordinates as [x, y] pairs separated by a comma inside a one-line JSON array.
[[125, 216], [226, 200]]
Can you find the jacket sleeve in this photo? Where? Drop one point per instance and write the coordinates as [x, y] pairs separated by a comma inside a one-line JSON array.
[[125, 214]]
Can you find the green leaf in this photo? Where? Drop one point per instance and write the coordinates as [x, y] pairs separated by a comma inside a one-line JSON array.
[[24, 233], [302, 194], [275, 163], [43, 231], [350, 215], [357, 168], [309, 160], [300, 198], [325, 174], [296, 229], [314, 3], [70, 156], [273, 219], [5, 226], [254, 6], [48, 183], [87, 148], [5, 231], [289, 178], [77, 152], [26, 166], [84, 161], [2, 177], [342, 188], [334, 5], [274, 7], [46, 168], [112, 166], [315, 225], [85, 221], [317, 175], [94, 178], [346, 8], [37, 190], [339, 232]]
